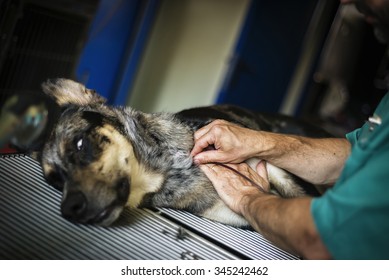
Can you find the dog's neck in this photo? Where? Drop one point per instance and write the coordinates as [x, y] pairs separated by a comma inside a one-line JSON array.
[[161, 140], [143, 181]]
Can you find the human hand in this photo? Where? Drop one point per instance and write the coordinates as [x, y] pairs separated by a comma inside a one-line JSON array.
[[232, 188], [231, 143]]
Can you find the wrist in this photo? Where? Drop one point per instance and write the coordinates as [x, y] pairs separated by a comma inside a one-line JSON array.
[[264, 144], [273, 146], [251, 204]]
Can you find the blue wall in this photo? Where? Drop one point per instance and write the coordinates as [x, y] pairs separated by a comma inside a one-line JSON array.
[[266, 53], [110, 58]]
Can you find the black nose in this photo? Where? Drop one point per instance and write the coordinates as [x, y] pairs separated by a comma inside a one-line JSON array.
[[74, 206]]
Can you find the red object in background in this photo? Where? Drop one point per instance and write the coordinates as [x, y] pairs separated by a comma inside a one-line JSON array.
[[7, 150]]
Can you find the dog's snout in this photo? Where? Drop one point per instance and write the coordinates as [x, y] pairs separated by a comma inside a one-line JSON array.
[[123, 190], [74, 206]]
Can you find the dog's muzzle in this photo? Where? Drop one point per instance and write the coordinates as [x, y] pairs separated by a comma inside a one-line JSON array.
[[78, 206]]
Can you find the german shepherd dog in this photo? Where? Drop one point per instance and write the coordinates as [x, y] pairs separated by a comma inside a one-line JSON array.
[[105, 158]]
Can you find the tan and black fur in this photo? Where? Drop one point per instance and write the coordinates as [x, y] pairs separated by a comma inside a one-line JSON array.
[[105, 158]]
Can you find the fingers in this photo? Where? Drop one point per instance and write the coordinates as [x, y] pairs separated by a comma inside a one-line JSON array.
[[210, 156], [201, 141], [227, 139], [261, 169], [231, 187], [262, 172], [202, 131], [205, 129], [204, 138], [200, 145], [238, 172], [208, 170], [211, 171]]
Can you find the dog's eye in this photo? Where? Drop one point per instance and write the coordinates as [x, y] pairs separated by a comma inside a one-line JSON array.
[[79, 144]]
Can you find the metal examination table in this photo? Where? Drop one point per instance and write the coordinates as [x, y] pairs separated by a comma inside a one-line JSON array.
[[31, 227]]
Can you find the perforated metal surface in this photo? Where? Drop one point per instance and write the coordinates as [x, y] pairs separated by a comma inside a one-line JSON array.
[[246, 243], [31, 227]]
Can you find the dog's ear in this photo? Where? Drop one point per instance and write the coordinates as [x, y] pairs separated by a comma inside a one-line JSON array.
[[67, 92]]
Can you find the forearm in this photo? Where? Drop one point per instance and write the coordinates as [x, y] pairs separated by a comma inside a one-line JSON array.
[[294, 232], [319, 161]]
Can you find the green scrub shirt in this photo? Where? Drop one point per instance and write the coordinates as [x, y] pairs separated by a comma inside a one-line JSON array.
[[353, 217]]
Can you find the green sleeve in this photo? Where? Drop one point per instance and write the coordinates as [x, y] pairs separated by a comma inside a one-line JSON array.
[[353, 217]]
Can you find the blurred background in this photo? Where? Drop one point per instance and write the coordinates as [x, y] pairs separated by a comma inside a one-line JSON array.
[[312, 59]]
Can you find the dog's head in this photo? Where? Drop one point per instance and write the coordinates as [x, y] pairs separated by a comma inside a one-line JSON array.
[[87, 155]]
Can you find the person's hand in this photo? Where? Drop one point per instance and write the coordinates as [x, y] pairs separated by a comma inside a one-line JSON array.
[[232, 188], [221, 141]]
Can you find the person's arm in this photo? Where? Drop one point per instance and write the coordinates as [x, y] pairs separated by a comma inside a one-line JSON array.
[[288, 223], [319, 161]]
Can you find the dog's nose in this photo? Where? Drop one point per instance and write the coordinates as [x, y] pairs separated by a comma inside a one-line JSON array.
[[74, 206]]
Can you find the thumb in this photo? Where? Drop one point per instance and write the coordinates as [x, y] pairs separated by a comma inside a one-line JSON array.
[[261, 170], [208, 156]]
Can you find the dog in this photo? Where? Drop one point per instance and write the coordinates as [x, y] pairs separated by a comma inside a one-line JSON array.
[[105, 158]]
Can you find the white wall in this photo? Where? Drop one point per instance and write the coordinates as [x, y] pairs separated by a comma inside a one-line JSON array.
[[188, 54]]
